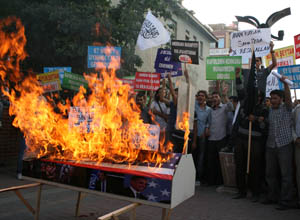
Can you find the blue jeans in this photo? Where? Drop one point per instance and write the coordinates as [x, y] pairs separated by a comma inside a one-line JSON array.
[[21, 155]]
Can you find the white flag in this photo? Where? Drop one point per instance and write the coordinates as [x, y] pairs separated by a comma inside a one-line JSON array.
[[152, 33]]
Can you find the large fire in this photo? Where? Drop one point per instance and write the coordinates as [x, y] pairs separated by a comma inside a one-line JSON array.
[[117, 132]]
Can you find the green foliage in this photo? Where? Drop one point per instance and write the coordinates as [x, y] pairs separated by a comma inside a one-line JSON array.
[[59, 31]]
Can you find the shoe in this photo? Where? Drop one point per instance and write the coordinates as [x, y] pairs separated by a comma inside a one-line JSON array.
[[240, 196], [19, 176]]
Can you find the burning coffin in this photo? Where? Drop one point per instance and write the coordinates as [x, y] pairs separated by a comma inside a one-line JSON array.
[[167, 185]]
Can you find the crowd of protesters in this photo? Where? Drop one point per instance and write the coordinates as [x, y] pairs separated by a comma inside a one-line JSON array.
[[266, 170]]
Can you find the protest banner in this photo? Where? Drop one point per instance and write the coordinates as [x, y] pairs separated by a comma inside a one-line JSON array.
[[292, 73], [242, 41], [130, 82], [147, 81], [164, 64], [272, 84], [49, 81], [218, 68], [285, 57], [74, 81], [297, 45], [61, 71], [185, 51], [104, 57]]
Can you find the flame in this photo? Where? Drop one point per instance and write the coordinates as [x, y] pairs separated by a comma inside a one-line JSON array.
[[184, 125], [116, 132]]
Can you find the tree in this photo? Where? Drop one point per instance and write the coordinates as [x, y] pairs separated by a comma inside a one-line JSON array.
[[58, 32]]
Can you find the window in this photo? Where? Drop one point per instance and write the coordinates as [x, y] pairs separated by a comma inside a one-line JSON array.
[[221, 43], [212, 45]]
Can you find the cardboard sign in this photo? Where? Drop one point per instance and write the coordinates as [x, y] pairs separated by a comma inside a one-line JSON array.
[[104, 57], [49, 81], [297, 45], [147, 81], [185, 51], [74, 81], [242, 41], [164, 64], [272, 84], [293, 74], [285, 57], [218, 68], [61, 71]]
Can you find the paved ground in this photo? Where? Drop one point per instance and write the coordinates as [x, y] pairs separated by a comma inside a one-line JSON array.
[[58, 203]]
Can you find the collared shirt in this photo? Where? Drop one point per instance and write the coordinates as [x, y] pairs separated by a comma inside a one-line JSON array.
[[203, 117], [219, 121], [163, 109], [296, 120], [280, 127]]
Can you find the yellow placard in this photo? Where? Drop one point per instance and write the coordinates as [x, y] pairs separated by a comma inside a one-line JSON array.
[[285, 56]]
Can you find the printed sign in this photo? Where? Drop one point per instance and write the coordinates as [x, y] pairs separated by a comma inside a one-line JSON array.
[[130, 82], [242, 41], [185, 51], [153, 141], [61, 71], [218, 68], [49, 81], [74, 81], [272, 84], [82, 119], [293, 74], [285, 57], [147, 81], [165, 65], [297, 45], [104, 57]]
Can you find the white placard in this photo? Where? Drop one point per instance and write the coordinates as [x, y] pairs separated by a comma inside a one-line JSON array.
[[272, 84], [153, 141], [242, 41]]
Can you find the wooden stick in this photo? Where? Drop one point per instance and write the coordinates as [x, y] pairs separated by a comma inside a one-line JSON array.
[[26, 203], [19, 187], [249, 147], [118, 212], [166, 213], [78, 204], [38, 203]]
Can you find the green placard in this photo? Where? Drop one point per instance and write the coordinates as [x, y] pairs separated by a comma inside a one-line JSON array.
[[74, 81], [218, 68]]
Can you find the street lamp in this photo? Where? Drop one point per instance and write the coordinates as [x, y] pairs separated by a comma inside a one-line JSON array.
[[272, 19]]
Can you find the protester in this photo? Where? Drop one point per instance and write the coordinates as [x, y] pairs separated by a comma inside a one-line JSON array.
[[202, 122], [22, 149], [217, 137], [267, 103], [160, 109], [140, 101], [258, 131], [262, 73], [279, 151]]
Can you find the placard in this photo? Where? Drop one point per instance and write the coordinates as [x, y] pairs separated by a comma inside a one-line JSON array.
[[285, 57], [164, 64], [74, 81], [242, 41], [147, 81], [297, 45], [104, 57], [219, 68], [130, 82], [293, 74], [49, 81], [61, 71], [272, 84], [185, 51]]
